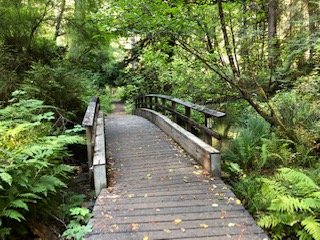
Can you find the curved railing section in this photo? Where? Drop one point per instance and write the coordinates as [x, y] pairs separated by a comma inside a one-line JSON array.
[[167, 104]]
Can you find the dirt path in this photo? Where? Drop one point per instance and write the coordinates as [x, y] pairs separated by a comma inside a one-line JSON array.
[[118, 108]]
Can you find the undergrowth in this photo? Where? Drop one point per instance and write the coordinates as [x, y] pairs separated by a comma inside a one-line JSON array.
[[31, 169]]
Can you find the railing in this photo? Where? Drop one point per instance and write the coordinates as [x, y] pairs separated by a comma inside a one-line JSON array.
[[93, 121], [151, 101]]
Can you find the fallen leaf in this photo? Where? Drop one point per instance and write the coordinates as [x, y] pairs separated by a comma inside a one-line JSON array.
[[167, 230], [131, 195], [215, 205], [146, 195], [145, 238], [149, 175], [171, 170], [134, 226], [115, 226], [177, 221], [182, 229], [204, 225], [231, 224], [158, 210], [238, 202]]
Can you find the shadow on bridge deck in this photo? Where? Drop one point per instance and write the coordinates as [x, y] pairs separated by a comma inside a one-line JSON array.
[[159, 192]]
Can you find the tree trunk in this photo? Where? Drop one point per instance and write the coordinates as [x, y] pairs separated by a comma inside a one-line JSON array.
[[312, 12], [226, 41], [59, 19], [273, 45]]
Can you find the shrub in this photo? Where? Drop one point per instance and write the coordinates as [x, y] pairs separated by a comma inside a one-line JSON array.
[[31, 170], [245, 149]]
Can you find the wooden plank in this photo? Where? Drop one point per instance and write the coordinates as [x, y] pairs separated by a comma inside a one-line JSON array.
[[99, 157], [149, 194], [89, 116]]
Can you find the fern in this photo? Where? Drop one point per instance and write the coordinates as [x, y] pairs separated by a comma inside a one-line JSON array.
[[31, 171], [312, 226], [294, 205]]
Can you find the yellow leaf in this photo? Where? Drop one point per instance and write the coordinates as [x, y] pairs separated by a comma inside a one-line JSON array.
[[238, 202], [134, 226], [148, 175], [145, 238], [204, 225], [231, 224], [177, 221], [167, 230]]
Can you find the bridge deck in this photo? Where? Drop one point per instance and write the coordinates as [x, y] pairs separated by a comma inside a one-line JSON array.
[[159, 192]]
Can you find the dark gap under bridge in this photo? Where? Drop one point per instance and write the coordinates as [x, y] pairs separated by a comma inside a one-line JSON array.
[[158, 189]]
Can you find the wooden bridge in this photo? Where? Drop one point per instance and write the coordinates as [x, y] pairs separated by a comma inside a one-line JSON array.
[[159, 191]]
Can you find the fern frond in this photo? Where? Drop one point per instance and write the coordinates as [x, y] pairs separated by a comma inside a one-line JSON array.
[[311, 203], [29, 196], [272, 188], [312, 226], [269, 221], [6, 177], [304, 235], [18, 203], [286, 204], [13, 214], [299, 178]]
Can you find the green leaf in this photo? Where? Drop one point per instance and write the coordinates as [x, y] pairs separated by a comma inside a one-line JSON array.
[[312, 226], [13, 214], [6, 177], [18, 203]]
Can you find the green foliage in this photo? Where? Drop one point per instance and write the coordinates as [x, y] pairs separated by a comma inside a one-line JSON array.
[[56, 86], [294, 205], [77, 227], [31, 171], [248, 189], [246, 148]]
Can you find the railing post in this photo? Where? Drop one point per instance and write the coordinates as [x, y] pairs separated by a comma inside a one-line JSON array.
[[164, 103], [156, 103], [145, 102], [188, 115], [150, 103], [174, 108], [208, 124]]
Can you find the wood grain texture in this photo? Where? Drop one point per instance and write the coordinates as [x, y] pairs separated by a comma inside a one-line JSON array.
[[160, 192]]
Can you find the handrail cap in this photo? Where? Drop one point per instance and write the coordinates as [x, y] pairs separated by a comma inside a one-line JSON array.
[[194, 106]]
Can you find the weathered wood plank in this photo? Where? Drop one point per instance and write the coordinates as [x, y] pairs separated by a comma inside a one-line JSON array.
[[150, 193], [99, 157], [194, 106], [89, 116]]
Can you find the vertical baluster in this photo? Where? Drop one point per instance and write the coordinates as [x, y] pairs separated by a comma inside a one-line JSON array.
[[207, 122], [188, 115], [174, 108], [164, 103]]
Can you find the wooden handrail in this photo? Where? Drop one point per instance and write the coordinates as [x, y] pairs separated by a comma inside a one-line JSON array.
[[151, 101], [93, 122]]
